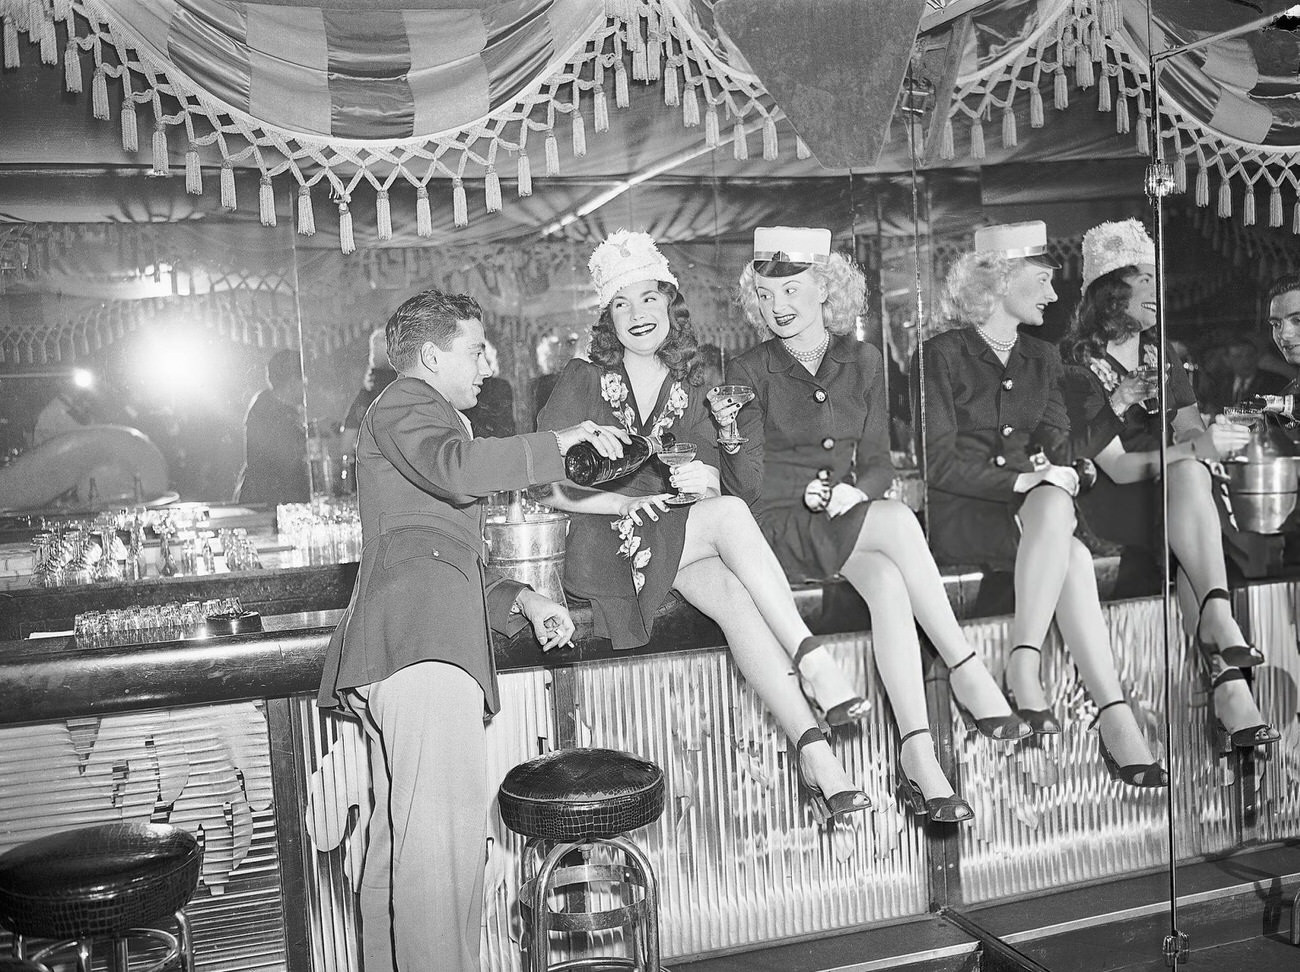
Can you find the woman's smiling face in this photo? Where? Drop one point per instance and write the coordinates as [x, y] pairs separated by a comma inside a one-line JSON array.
[[790, 305], [1142, 303], [640, 312]]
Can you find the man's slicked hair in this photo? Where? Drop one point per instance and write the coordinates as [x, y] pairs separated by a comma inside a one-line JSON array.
[[1283, 285], [428, 316]]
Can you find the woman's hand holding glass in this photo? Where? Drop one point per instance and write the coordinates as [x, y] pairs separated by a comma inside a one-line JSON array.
[[1221, 440], [1134, 388], [843, 498], [677, 457], [649, 506], [691, 479], [726, 401]]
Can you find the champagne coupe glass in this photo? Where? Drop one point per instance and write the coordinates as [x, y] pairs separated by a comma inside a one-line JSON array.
[[724, 396], [1149, 374], [1242, 415], [678, 454]]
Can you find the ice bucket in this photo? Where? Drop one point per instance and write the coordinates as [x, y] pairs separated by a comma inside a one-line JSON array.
[[530, 550], [1263, 492]]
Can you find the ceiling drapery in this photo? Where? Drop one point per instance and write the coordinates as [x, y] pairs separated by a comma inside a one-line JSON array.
[[352, 99], [1231, 108]]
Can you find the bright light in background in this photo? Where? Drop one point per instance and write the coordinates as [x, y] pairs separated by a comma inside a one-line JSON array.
[[82, 378], [175, 362]]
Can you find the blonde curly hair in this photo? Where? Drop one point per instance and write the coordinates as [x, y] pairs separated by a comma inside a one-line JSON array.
[[846, 293], [974, 285]]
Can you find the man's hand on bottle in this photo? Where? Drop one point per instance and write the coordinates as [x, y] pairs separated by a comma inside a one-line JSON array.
[[552, 624], [606, 439]]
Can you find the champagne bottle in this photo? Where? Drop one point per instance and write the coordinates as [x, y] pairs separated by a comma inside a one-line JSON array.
[[587, 467], [1283, 405]]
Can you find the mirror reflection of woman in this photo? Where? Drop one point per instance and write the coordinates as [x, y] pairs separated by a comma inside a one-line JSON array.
[[819, 426], [628, 548], [992, 401], [1112, 344]]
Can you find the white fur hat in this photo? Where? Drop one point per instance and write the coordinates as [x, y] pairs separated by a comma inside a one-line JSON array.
[[623, 258], [1113, 245]]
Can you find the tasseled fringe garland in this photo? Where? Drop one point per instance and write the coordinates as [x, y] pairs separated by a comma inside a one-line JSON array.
[[383, 215], [1202, 186], [306, 216], [459, 206], [99, 94], [712, 133], [1225, 198], [1103, 93], [525, 174], [552, 154], [691, 107], [266, 201], [1069, 48], [621, 97], [654, 65], [1009, 127], [347, 242], [162, 163], [130, 136], [1060, 91], [1122, 120], [600, 110], [72, 67], [1035, 107], [579, 135], [672, 88], [739, 144], [801, 149], [423, 215], [227, 185], [11, 43], [1108, 17], [62, 10], [976, 139], [193, 172], [1248, 207], [1180, 171], [1275, 207], [771, 145], [640, 71], [1096, 44], [1295, 219], [947, 143], [49, 42], [492, 190], [1083, 75], [1143, 136]]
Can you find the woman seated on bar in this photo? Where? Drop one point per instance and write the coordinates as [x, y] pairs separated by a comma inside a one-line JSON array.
[[1114, 415], [628, 547], [1001, 492], [815, 468]]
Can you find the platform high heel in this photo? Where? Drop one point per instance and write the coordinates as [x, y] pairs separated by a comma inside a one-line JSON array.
[[1246, 737], [947, 809], [845, 713], [1235, 656], [1146, 775], [1009, 726], [1042, 722], [837, 804]]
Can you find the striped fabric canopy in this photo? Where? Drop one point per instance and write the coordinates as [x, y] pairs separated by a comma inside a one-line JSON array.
[[341, 71]]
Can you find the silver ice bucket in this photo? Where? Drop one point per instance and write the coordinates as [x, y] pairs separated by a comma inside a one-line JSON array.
[[530, 550], [1263, 492]]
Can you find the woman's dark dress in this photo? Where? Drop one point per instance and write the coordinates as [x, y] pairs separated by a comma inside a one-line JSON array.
[[984, 419], [593, 567], [798, 424], [1125, 513]]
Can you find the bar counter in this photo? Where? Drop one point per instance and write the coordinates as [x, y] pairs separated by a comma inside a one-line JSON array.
[[221, 736]]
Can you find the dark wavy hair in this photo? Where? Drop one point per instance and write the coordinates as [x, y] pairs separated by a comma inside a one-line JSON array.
[[679, 352], [1101, 317]]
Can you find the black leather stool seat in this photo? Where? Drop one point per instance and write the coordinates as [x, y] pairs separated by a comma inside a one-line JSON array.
[[97, 881], [578, 794]]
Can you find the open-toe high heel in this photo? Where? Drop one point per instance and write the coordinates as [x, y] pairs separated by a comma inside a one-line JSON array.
[[1245, 737], [1148, 775], [1009, 726], [845, 713], [1235, 656], [946, 809], [837, 804], [1042, 722]]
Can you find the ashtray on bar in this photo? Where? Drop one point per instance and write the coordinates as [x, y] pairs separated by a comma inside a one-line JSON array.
[[234, 622]]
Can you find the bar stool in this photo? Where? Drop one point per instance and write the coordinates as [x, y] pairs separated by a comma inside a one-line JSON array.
[[102, 882], [578, 800]]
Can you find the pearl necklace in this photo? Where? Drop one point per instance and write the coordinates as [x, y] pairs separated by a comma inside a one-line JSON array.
[[1001, 346], [812, 355]]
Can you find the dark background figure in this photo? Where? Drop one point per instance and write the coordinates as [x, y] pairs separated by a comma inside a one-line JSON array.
[[1246, 379], [378, 377], [275, 442], [553, 353], [709, 357], [493, 417]]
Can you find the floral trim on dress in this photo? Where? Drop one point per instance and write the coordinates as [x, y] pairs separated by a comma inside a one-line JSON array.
[[615, 392], [1107, 374]]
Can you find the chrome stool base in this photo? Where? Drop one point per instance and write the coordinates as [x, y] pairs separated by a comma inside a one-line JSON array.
[[178, 954]]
